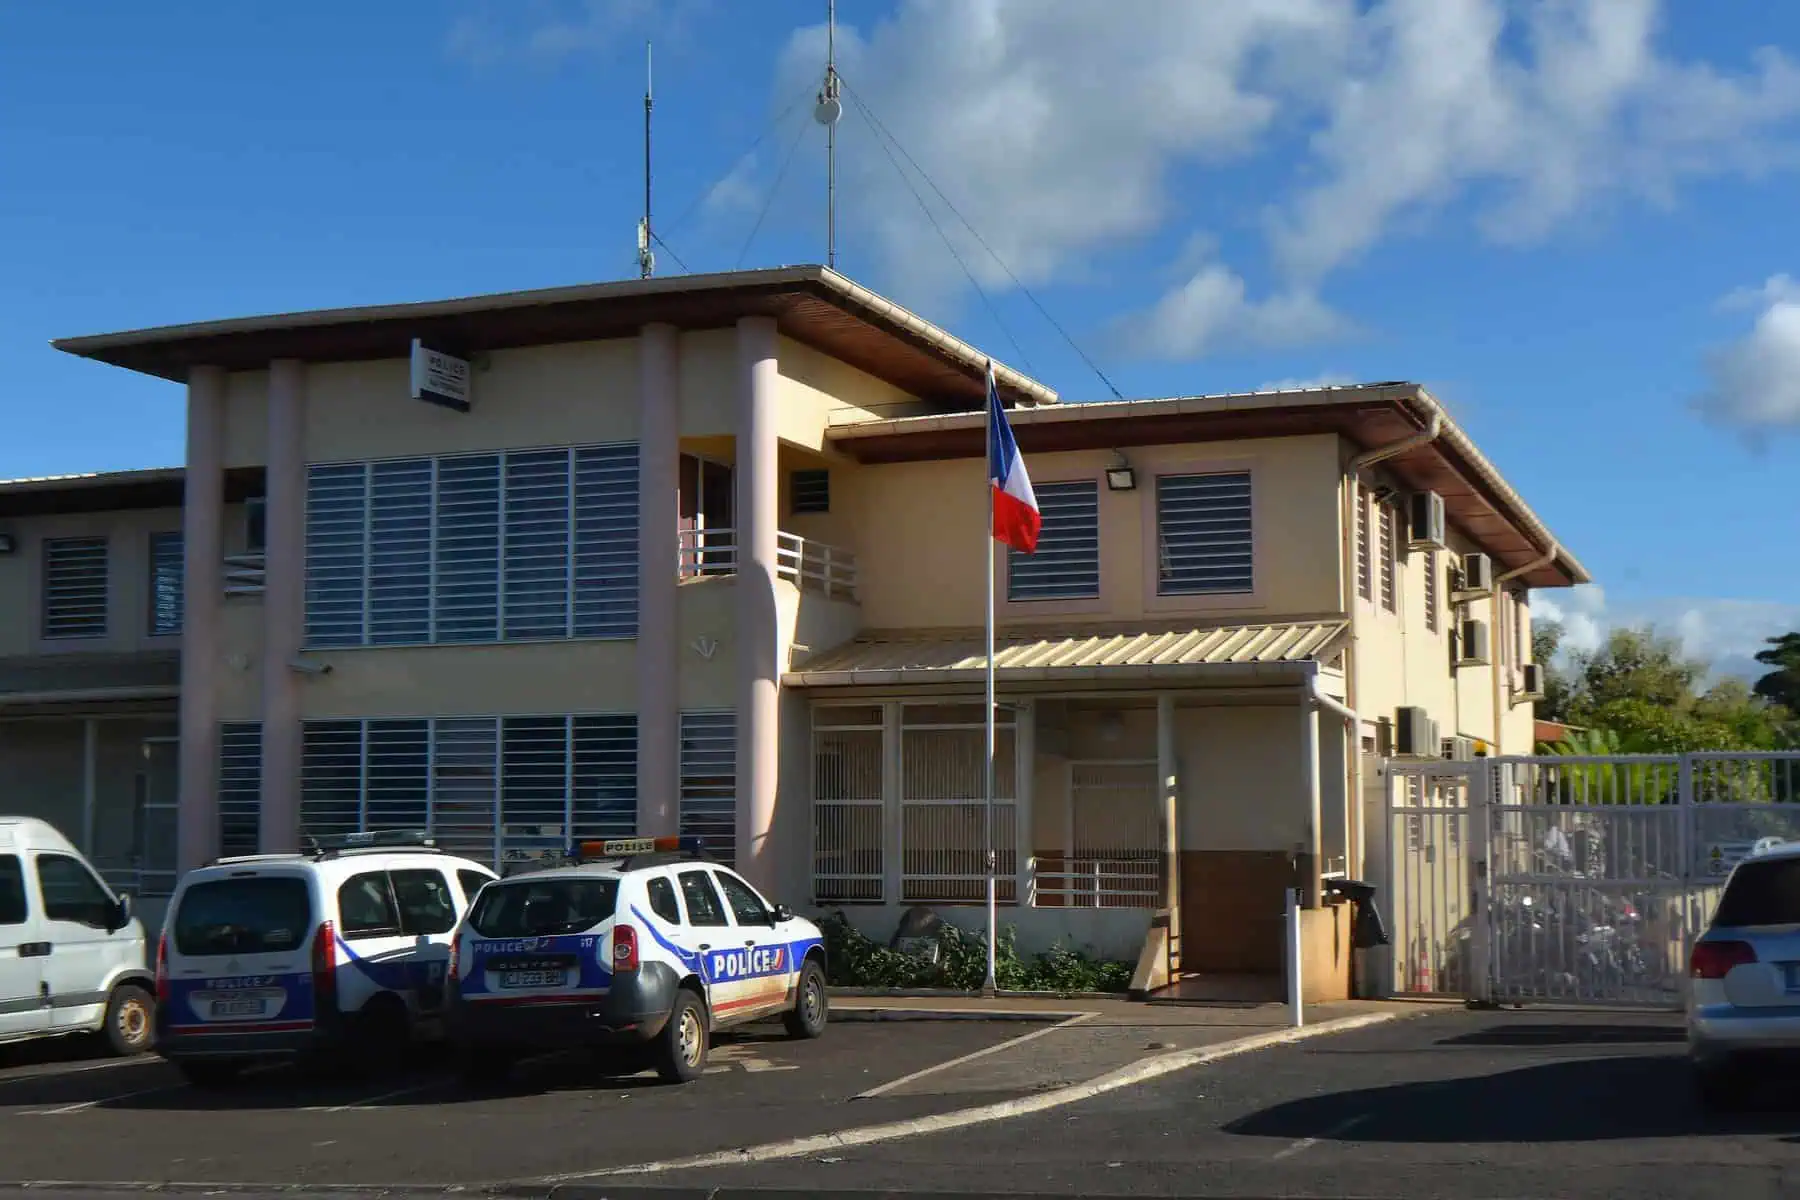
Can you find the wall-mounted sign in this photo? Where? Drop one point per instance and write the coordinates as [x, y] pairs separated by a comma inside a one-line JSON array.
[[440, 378]]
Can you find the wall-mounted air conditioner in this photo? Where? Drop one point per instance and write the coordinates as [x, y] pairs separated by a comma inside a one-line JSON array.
[[1531, 682], [1425, 521], [1472, 644], [1415, 734], [1459, 749], [1477, 578]]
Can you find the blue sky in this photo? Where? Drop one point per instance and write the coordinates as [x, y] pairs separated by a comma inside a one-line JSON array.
[[1570, 218]]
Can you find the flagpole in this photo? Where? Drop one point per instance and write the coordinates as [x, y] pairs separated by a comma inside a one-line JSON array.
[[992, 901]]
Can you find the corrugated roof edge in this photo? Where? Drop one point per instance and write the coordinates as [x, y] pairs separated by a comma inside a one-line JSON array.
[[57, 483], [879, 307]]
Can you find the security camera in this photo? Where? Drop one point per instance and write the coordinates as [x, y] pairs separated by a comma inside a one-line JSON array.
[[309, 668]]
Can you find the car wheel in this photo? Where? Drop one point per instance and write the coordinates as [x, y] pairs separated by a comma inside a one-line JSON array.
[[681, 1050], [807, 1018], [130, 1021], [209, 1073]]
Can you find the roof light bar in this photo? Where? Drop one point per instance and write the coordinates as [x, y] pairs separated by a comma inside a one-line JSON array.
[[373, 837], [587, 851]]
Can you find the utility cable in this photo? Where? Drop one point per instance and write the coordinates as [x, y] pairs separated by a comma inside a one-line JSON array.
[[973, 232], [774, 188]]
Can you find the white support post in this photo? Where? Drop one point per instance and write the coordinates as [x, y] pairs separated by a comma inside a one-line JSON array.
[[1291, 936]]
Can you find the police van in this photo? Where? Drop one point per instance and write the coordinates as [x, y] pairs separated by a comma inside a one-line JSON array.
[[342, 948], [643, 945]]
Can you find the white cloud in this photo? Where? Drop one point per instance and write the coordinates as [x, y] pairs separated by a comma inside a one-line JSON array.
[[1725, 634], [1754, 382], [1056, 127], [549, 31], [1313, 383]]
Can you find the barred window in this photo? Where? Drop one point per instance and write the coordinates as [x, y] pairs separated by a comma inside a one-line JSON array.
[[1067, 563], [1364, 560], [521, 545], [240, 787], [1203, 534]]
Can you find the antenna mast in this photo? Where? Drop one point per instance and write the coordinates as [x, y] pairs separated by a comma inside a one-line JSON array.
[[646, 256], [829, 109]]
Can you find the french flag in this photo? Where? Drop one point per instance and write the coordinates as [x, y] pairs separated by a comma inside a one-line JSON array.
[[1016, 517]]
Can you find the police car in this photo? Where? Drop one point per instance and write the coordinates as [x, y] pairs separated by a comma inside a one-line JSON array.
[[345, 947], [639, 944]]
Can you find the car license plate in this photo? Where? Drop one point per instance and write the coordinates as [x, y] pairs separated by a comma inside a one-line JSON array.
[[237, 1008], [531, 979]]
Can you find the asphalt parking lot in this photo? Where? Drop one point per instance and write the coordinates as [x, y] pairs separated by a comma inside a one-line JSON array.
[[1559, 1105], [64, 1118]]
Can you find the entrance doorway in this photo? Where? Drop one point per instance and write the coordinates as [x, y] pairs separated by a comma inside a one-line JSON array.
[[707, 492]]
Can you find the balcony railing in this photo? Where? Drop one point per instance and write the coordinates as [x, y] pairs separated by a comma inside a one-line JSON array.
[[814, 566], [1082, 882], [244, 574]]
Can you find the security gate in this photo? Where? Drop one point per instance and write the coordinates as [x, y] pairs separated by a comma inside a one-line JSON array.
[[1572, 880]]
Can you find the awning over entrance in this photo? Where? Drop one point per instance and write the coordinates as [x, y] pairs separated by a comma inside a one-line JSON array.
[[1243, 653]]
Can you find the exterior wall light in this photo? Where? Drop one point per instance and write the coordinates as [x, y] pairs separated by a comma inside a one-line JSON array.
[[1121, 478]]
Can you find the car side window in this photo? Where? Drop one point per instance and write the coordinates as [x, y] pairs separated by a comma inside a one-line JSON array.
[[662, 899], [366, 906], [746, 905], [472, 883], [71, 893], [425, 903], [703, 904], [12, 890]]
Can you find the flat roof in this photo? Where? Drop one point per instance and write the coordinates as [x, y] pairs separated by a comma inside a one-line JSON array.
[[1477, 497], [114, 491], [811, 304]]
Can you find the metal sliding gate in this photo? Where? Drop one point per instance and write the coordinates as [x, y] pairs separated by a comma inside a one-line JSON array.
[[1570, 880]]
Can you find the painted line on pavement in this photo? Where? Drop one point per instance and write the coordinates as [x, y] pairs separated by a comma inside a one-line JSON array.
[[63, 1071], [368, 1100], [967, 1058], [1336, 1131], [1139, 1072], [84, 1105]]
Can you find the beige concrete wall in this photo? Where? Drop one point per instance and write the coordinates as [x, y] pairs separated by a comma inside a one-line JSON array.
[[1240, 778], [128, 582], [925, 522], [818, 391], [528, 677]]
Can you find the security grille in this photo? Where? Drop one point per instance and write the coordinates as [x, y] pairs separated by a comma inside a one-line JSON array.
[[708, 804], [240, 787], [75, 587], [1204, 541], [849, 813], [1067, 562], [944, 836]]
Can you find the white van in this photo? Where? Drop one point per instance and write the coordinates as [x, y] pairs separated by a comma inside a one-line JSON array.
[[341, 949], [71, 954]]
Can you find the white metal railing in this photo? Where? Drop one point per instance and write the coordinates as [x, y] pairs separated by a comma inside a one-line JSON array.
[[1079, 882], [244, 574], [816, 566]]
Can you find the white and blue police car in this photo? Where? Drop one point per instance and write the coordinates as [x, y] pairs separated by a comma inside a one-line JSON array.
[[639, 945], [344, 948]]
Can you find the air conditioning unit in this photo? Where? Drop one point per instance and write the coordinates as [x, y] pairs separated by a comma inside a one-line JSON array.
[[1477, 577], [1415, 734], [1459, 749], [1472, 644], [1531, 681], [1425, 521]]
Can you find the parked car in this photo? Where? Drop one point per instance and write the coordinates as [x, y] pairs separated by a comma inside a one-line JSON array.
[[1743, 1008], [71, 954], [341, 949]]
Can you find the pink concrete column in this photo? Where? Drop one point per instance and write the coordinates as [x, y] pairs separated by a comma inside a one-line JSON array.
[[284, 606], [203, 593], [659, 531], [758, 640]]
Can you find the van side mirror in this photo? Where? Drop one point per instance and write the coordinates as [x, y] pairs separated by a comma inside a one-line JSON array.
[[783, 913], [122, 912]]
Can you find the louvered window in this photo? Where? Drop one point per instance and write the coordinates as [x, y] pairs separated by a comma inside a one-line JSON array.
[[709, 780], [165, 583], [1431, 591], [240, 787], [75, 586], [1364, 560], [809, 491], [1067, 562], [1389, 557], [526, 545], [1203, 534], [506, 790]]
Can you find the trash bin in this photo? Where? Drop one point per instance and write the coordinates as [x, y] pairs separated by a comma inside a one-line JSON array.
[[1366, 928]]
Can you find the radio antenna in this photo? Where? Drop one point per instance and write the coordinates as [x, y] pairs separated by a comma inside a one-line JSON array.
[[829, 109], [646, 256]]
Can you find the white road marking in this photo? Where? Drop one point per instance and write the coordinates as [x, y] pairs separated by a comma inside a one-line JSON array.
[[1336, 1131], [140, 1061], [84, 1105], [367, 1100], [957, 1062]]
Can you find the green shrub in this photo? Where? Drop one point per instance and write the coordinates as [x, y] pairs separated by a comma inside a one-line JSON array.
[[859, 961]]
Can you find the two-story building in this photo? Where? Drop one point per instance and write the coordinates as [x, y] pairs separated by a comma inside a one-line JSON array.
[[706, 554]]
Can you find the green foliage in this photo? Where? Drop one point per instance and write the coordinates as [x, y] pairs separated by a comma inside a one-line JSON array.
[[1782, 684], [856, 960]]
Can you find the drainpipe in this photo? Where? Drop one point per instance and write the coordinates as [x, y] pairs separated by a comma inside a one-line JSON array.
[[1548, 557], [1369, 458]]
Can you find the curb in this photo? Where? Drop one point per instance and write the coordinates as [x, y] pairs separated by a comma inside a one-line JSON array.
[[185, 1188], [585, 1185]]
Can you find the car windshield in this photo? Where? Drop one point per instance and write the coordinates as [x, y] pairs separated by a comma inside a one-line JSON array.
[[265, 914], [1762, 893], [537, 907]]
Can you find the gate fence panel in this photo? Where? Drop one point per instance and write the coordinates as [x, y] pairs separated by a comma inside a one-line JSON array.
[[1585, 880]]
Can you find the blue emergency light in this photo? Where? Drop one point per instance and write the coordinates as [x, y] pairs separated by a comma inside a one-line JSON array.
[[372, 838], [610, 848]]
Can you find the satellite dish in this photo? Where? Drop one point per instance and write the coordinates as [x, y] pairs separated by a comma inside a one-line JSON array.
[[829, 109]]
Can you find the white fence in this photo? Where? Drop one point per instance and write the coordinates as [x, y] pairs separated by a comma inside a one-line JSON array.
[[1569, 879]]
